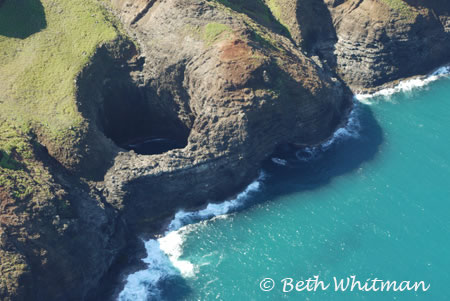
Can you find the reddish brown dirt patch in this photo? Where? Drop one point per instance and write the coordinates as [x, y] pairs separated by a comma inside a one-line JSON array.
[[235, 49]]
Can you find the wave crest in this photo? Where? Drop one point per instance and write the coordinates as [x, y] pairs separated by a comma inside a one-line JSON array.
[[163, 254], [405, 86]]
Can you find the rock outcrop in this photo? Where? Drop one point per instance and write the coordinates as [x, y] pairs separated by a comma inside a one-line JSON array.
[[378, 43], [57, 243], [369, 43], [236, 89]]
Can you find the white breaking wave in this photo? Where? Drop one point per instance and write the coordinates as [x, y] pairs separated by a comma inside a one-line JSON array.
[[143, 285], [307, 153], [350, 130], [405, 86], [163, 254], [183, 218]]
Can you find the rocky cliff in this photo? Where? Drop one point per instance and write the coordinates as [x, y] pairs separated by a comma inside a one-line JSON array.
[[227, 80], [379, 41], [369, 43], [233, 88]]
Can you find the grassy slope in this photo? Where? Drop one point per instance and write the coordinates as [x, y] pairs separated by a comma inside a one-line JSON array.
[[403, 8], [37, 73], [43, 46]]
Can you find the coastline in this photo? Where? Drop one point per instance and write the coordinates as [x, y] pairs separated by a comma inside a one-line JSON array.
[[403, 84], [167, 244]]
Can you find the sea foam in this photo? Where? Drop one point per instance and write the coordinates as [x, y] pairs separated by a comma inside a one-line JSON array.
[[163, 254], [406, 86], [351, 129]]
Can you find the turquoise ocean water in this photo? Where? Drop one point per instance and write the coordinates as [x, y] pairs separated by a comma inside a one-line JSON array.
[[374, 203]]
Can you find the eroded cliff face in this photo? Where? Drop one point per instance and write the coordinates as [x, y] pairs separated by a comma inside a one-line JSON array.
[[57, 243], [369, 43], [238, 88], [377, 43]]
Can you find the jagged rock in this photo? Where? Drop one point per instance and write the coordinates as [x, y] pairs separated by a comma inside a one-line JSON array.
[[367, 42], [378, 44], [214, 91]]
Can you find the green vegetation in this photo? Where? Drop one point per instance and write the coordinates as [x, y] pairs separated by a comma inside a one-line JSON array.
[[38, 70], [274, 8], [259, 33], [263, 39], [44, 45], [7, 162], [213, 31], [210, 33], [403, 8], [260, 12], [20, 172]]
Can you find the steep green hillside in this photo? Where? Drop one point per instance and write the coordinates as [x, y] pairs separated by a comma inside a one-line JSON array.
[[43, 46]]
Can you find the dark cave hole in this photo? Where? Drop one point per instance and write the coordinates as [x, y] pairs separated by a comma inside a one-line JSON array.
[[152, 145], [130, 117]]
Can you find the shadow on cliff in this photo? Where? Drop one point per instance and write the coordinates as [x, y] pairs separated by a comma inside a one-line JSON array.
[[122, 115], [342, 157], [259, 12], [21, 18], [439, 6], [317, 29]]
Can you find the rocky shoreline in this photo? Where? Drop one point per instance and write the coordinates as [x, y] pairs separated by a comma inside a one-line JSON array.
[[228, 81]]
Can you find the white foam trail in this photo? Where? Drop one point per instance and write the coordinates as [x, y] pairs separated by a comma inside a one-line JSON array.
[[183, 218], [143, 285], [353, 126], [442, 71], [405, 86], [163, 254], [350, 130], [171, 245], [279, 161], [307, 153]]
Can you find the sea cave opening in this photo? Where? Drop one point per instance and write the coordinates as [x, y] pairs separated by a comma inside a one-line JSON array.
[[130, 117]]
